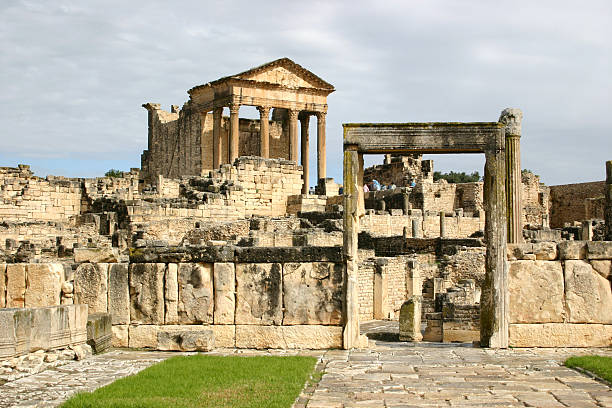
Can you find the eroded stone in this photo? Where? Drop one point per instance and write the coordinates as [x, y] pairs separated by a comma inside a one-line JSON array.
[[225, 292], [90, 286], [195, 293], [15, 285], [146, 294], [44, 284], [171, 294], [259, 294], [588, 294], [560, 335], [119, 294], [536, 291]]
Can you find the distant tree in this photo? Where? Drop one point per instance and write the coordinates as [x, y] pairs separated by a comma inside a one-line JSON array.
[[453, 177], [526, 171], [114, 173]]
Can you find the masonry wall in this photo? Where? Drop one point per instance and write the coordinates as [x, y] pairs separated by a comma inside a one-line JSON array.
[[560, 294], [570, 202]]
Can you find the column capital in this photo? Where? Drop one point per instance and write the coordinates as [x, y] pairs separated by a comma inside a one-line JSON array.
[[512, 118], [234, 107], [218, 110], [321, 116], [264, 110], [293, 114]]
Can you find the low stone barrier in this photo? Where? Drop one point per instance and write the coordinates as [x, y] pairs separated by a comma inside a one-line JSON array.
[[43, 328]]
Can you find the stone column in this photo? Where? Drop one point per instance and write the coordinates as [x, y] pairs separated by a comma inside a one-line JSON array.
[[410, 319], [305, 121], [321, 158], [417, 231], [234, 136], [608, 208], [264, 131], [217, 142], [511, 118], [442, 224], [293, 136], [352, 186], [494, 312]]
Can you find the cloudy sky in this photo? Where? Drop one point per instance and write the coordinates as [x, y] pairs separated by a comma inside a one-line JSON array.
[[75, 73]]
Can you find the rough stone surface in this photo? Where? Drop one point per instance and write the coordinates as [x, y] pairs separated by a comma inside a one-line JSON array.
[[225, 335], [119, 293], [545, 251], [588, 295], [171, 293], [15, 285], [195, 290], [560, 335], [599, 250], [410, 320], [120, 335], [281, 337], [604, 268], [44, 284], [144, 336], [90, 286], [572, 250], [95, 255], [99, 333], [2, 285], [312, 293], [181, 338], [536, 292], [146, 294], [259, 294], [225, 292]]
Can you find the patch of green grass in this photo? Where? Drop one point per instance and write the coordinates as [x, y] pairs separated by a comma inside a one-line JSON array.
[[206, 381], [598, 365]]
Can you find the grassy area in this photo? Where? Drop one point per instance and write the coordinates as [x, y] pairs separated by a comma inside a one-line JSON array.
[[598, 365], [206, 381]]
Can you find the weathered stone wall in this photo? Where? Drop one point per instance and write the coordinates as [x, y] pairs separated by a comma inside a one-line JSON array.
[[568, 202], [535, 198], [401, 170], [385, 224], [560, 294]]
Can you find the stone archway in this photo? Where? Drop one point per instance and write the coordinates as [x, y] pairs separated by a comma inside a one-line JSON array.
[[487, 138]]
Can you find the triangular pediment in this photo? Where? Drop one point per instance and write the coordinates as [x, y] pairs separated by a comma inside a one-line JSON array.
[[286, 73]]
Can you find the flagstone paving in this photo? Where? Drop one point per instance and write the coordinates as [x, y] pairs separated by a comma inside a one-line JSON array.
[[389, 374]]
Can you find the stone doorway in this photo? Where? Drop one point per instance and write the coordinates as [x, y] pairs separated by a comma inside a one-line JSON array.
[[486, 138]]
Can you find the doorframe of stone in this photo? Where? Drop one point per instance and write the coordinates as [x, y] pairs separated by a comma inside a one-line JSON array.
[[486, 138]]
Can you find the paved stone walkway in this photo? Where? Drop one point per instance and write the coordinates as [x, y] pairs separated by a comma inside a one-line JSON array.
[[390, 374], [434, 374]]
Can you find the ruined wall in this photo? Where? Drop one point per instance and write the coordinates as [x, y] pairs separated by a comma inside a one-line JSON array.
[[401, 170], [560, 294], [535, 199], [568, 202], [247, 297]]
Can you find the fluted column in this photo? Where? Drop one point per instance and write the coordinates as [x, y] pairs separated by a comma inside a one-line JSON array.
[[608, 202], [217, 142], [234, 132], [293, 136], [305, 121], [321, 158], [511, 118], [264, 131]]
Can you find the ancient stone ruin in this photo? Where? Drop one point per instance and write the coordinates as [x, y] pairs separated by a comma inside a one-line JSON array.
[[217, 241]]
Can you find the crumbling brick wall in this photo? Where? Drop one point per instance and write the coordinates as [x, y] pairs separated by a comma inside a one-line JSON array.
[[568, 202]]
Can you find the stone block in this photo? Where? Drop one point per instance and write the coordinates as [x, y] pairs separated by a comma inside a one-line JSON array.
[[536, 291], [2, 285], [560, 335], [288, 337], [8, 340], [225, 335], [312, 293], [259, 294], [99, 334], [43, 285], [588, 294], [171, 294], [15, 285], [95, 255], [460, 335], [604, 268], [143, 336], [119, 294], [146, 294], [410, 319], [572, 250], [120, 335], [225, 292], [599, 250], [181, 338], [195, 293], [545, 251], [91, 286]]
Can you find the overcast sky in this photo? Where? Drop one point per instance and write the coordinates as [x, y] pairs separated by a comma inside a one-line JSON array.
[[75, 73]]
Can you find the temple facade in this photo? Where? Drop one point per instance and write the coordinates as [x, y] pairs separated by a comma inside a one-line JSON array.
[[197, 138]]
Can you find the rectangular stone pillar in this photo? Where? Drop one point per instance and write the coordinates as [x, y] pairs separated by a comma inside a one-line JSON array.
[[494, 313], [410, 319], [305, 121], [608, 209], [352, 186], [293, 135], [264, 131], [217, 142], [321, 155], [234, 137], [381, 289]]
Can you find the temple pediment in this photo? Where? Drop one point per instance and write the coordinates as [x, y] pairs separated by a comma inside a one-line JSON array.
[[286, 73]]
